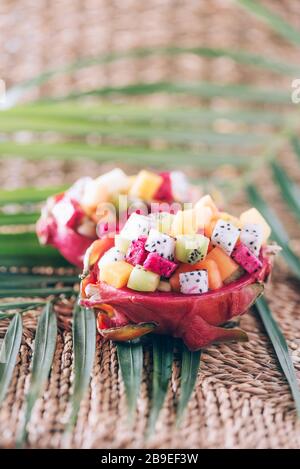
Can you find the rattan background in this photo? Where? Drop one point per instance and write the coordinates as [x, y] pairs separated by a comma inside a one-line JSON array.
[[241, 399]]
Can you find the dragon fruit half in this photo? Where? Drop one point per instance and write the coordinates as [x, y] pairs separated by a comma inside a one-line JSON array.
[[125, 314]]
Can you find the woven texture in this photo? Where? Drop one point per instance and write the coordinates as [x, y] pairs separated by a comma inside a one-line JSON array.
[[241, 399]]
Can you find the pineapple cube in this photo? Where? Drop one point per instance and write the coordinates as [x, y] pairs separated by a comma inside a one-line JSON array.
[[145, 185], [184, 223], [207, 201], [116, 274], [253, 216]]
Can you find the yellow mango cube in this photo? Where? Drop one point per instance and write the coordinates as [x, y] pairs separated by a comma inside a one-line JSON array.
[[145, 185], [116, 274], [253, 216]]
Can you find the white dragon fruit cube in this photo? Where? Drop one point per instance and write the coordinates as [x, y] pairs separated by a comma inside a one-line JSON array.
[[195, 282], [112, 255], [225, 235], [136, 226], [160, 243], [252, 237]]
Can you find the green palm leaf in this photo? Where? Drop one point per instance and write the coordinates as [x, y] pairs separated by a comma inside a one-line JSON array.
[[276, 22], [245, 93], [162, 370], [32, 292], [44, 348], [279, 233], [20, 304], [239, 56], [8, 354], [130, 356], [290, 192], [280, 347], [18, 219], [84, 344], [171, 158], [190, 363]]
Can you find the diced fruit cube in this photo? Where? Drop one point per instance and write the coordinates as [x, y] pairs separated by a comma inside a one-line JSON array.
[[136, 253], [204, 215], [209, 227], [180, 186], [213, 272], [163, 222], [207, 201], [227, 267], [214, 275], [94, 194], [225, 235], [185, 222], [158, 264], [114, 181], [254, 217], [146, 185], [193, 283], [243, 256], [174, 280], [164, 286], [160, 243], [116, 274], [136, 226], [252, 236], [112, 255], [164, 192], [143, 280], [191, 248], [122, 243], [95, 252]]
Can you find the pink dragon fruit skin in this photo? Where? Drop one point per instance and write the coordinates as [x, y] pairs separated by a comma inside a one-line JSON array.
[[244, 257], [159, 265], [136, 253]]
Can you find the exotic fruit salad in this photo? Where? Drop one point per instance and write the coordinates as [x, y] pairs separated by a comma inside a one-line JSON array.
[[184, 274], [97, 208]]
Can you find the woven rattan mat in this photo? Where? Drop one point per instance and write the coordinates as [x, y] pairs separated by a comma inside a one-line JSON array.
[[241, 398]]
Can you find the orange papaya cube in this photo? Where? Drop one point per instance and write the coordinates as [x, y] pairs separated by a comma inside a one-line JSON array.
[[213, 272], [227, 267], [116, 274], [209, 227], [174, 280]]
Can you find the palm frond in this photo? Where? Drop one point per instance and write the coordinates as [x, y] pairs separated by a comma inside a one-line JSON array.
[[276, 22]]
